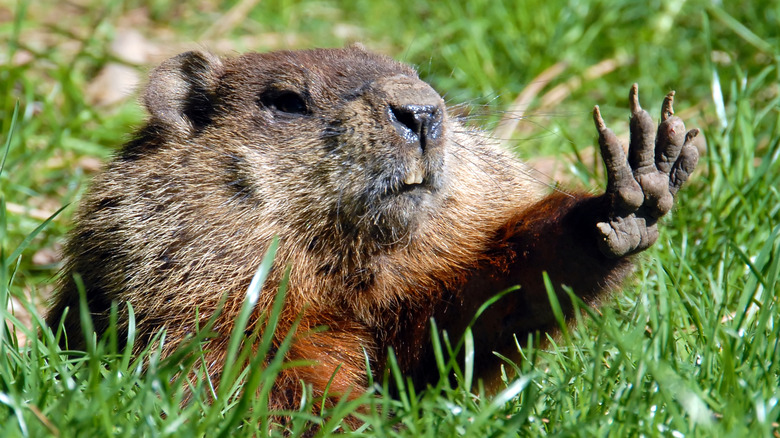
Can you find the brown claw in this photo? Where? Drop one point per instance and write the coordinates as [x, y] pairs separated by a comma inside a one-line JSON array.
[[666, 109], [690, 135], [600, 125], [633, 99]]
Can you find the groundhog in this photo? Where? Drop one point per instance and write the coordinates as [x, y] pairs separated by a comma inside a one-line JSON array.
[[388, 212]]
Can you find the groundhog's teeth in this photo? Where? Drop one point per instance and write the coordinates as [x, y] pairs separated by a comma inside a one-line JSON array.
[[414, 177]]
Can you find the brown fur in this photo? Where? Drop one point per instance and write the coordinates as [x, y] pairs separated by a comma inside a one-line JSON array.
[[187, 209]]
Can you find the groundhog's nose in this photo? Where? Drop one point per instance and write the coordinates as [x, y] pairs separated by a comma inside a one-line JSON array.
[[419, 124], [414, 109]]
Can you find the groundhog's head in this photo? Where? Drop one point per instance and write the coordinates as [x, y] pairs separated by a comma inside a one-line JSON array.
[[341, 136]]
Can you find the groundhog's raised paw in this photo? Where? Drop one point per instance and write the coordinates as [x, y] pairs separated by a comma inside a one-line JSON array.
[[641, 189]]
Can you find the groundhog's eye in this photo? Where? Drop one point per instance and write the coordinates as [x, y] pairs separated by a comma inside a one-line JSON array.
[[285, 101]]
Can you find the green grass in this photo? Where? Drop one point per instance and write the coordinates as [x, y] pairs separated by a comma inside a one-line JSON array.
[[690, 348]]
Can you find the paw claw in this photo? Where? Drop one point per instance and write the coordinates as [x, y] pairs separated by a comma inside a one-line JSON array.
[[633, 99], [690, 135], [667, 109], [600, 125]]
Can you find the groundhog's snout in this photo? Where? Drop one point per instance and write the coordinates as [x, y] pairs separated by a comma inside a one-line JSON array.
[[416, 112]]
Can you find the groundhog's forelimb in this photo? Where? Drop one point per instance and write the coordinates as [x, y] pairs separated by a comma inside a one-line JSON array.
[[581, 241]]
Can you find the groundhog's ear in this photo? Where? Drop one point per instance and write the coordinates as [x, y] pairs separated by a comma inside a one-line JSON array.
[[180, 94], [357, 45]]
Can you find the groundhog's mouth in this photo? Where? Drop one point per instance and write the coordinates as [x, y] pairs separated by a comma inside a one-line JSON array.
[[393, 187], [418, 178], [413, 188], [414, 181]]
